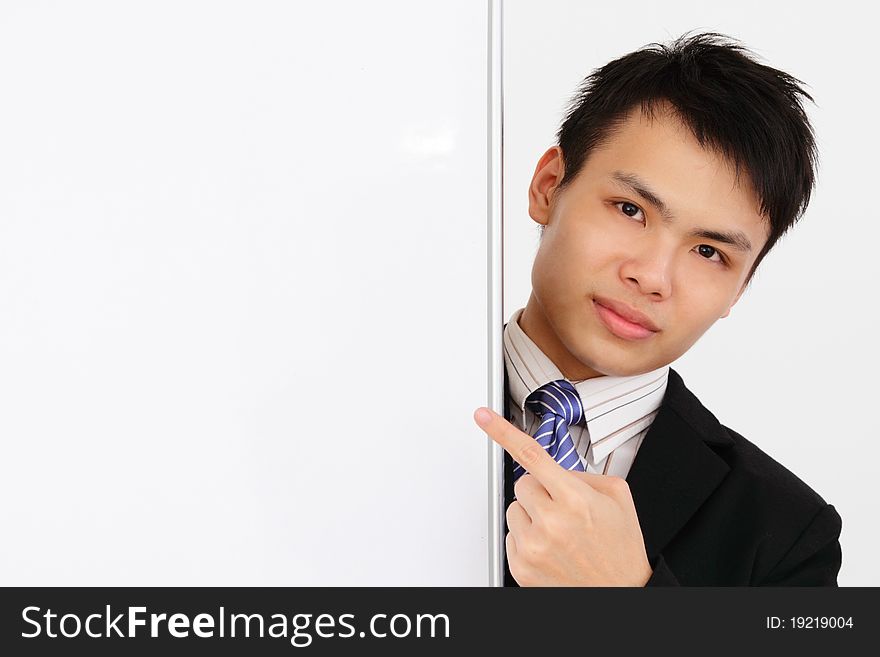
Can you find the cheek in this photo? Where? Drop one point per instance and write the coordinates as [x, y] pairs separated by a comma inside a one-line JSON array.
[[582, 252], [700, 310], [561, 262]]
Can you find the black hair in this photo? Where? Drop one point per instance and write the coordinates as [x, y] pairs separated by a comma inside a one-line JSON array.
[[748, 112]]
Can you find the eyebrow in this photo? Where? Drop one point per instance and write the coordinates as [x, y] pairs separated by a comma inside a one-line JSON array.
[[735, 238]]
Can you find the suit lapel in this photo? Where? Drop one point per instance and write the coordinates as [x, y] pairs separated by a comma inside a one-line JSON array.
[[676, 469]]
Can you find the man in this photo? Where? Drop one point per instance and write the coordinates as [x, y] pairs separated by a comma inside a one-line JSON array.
[[677, 169]]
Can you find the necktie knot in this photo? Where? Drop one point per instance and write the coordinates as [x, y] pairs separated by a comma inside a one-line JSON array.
[[559, 398], [559, 406]]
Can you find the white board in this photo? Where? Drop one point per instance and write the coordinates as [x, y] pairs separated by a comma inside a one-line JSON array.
[[243, 308]]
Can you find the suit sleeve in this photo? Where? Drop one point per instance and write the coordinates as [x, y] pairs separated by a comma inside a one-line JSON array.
[[815, 557], [662, 576]]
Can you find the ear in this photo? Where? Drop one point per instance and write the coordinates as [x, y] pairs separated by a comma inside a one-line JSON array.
[[547, 176]]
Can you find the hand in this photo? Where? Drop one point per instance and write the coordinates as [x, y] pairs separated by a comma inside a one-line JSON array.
[[567, 528]]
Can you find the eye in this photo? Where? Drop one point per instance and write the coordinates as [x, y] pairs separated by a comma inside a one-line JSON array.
[[709, 252], [629, 209]]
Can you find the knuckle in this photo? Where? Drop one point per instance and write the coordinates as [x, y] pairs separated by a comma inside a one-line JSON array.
[[515, 564], [618, 484], [529, 455], [509, 513], [517, 486]]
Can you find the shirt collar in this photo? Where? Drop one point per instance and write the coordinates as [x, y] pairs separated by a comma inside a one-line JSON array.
[[616, 408]]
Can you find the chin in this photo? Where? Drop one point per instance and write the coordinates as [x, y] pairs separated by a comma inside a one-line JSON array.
[[626, 370], [622, 366], [607, 355]]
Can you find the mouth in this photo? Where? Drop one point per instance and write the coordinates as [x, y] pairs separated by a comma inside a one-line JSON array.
[[633, 326]]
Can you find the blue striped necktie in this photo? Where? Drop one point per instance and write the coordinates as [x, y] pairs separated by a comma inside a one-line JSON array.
[[559, 406]]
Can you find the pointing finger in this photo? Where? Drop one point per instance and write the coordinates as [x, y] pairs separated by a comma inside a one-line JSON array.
[[525, 450]]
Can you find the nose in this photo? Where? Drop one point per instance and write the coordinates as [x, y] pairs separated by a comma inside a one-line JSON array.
[[648, 270]]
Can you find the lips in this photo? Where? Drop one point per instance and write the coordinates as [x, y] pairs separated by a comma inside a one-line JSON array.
[[624, 321]]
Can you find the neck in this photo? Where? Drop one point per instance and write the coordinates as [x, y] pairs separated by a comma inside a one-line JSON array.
[[534, 323]]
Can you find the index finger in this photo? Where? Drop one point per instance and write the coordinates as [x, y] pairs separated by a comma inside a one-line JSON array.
[[524, 449]]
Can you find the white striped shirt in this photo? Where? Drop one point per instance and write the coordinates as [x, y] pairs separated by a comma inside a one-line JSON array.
[[618, 409]]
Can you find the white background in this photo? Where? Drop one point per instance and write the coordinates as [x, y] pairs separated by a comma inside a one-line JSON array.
[[793, 368], [234, 236], [243, 309]]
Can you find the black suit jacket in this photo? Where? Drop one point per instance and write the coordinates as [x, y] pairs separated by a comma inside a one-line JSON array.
[[717, 511]]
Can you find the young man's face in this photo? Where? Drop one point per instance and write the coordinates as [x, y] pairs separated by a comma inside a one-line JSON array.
[[606, 242]]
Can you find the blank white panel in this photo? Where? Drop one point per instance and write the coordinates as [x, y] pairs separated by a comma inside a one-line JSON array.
[[792, 368], [243, 293]]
